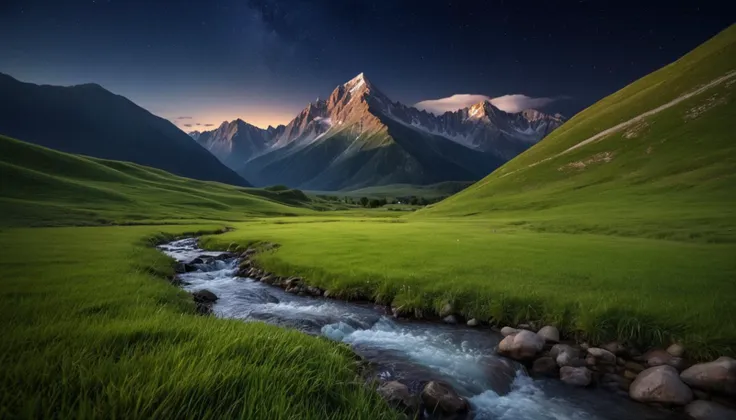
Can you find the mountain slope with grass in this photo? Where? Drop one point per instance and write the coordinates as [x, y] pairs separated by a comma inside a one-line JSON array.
[[41, 186], [89, 120], [655, 159]]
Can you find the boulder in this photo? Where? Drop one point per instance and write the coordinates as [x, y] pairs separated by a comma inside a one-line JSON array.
[[660, 384], [441, 400], [473, 322], [397, 395], [550, 334], [523, 345], [546, 366], [566, 355], [676, 350], [708, 410], [577, 376], [602, 356], [204, 296], [507, 331], [450, 319], [718, 376]]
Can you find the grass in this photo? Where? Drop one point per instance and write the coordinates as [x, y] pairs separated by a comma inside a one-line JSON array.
[[592, 286], [671, 176], [91, 329], [433, 191], [41, 186]]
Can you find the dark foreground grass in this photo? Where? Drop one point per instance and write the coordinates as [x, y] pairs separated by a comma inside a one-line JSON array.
[[90, 331], [595, 287]]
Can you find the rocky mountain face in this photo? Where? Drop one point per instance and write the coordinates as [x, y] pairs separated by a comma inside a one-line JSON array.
[[358, 137], [89, 120], [236, 142]]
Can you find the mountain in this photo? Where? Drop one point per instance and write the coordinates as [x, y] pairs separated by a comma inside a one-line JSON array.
[[89, 120], [236, 142], [657, 156], [358, 137]]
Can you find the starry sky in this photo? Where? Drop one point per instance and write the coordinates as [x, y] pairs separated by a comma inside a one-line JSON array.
[[199, 62]]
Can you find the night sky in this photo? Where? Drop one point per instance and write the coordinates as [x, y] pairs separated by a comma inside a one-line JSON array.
[[202, 62]]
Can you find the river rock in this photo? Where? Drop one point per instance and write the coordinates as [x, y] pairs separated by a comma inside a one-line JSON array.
[[446, 310], [398, 396], [204, 296], [634, 367], [292, 281], [577, 376], [657, 357], [507, 331], [473, 322], [314, 291], [441, 400], [718, 376], [566, 355], [676, 350], [615, 382], [615, 347], [708, 410], [546, 366], [223, 256], [602, 356], [450, 319], [523, 345], [660, 384], [550, 334]]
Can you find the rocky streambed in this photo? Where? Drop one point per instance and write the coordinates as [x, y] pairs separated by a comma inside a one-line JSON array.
[[456, 371]]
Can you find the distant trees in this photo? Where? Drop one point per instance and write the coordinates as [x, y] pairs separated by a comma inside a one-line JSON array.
[[364, 201]]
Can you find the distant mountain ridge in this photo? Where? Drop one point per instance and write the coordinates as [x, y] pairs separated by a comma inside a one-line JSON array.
[[89, 120], [358, 137]]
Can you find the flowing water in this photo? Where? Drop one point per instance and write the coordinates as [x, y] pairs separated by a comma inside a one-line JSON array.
[[409, 351]]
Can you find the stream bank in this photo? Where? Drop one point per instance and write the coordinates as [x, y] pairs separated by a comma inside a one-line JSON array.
[[412, 353]]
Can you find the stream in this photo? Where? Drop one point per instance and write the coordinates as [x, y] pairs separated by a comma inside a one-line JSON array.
[[409, 351]]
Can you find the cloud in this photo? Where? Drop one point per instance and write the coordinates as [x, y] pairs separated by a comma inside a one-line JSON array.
[[518, 103], [183, 118], [187, 125], [208, 125], [452, 103], [508, 103]]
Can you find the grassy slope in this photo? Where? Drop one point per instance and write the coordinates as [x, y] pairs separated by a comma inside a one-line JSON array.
[[638, 248], [671, 177], [44, 187], [441, 189], [89, 331]]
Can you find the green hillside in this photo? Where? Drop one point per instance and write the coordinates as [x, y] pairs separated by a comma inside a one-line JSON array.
[[671, 174], [41, 186]]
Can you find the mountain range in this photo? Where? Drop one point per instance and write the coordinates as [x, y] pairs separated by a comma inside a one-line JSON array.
[[359, 137], [89, 120]]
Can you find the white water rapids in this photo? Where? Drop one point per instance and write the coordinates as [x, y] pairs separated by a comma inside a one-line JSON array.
[[411, 352]]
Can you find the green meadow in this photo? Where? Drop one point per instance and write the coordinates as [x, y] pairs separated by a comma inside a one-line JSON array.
[[92, 329]]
